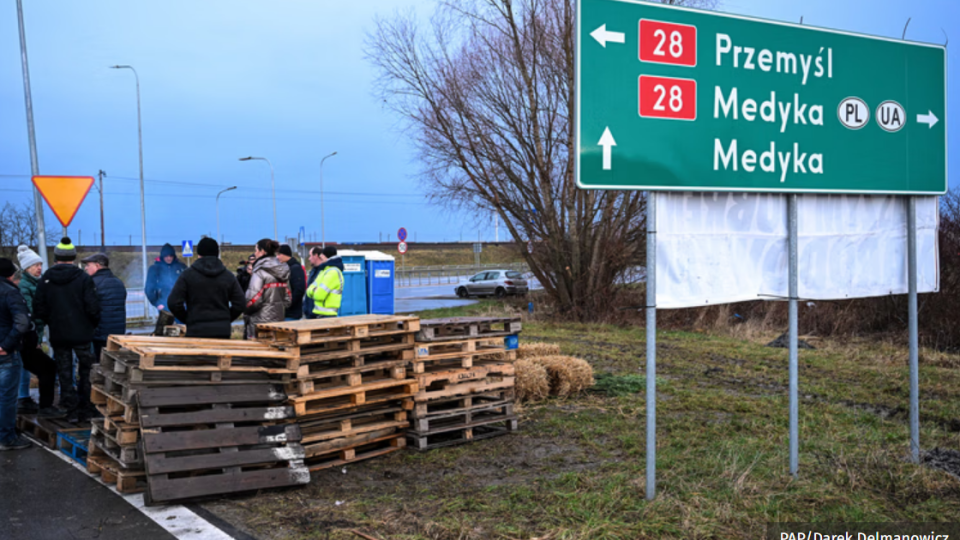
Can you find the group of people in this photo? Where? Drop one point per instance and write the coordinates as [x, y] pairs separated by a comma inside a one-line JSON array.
[[81, 308]]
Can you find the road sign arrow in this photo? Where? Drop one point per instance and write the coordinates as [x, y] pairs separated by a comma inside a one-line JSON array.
[[603, 36], [929, 119], [607, 142]]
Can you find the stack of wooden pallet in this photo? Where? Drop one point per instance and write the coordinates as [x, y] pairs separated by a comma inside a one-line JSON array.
[[466, 381], [351, 393], [184, 418]]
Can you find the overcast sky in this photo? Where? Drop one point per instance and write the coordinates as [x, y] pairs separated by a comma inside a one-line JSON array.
[[283, 80]]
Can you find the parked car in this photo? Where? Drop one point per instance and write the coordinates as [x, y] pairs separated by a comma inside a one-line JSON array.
[[498, 283]]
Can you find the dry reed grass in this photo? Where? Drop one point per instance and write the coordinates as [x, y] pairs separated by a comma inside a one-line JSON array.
[[532, 350], [568, 375]]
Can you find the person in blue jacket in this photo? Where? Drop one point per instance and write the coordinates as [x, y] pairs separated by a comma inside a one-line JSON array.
[[113, 301], [162, 276]]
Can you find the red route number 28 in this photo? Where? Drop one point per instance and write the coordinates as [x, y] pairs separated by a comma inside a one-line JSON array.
[[668, 97], [668, 43]]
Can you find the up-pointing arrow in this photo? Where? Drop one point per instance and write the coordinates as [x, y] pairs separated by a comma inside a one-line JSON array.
[[607, 142], [603, 36], [929, 119]]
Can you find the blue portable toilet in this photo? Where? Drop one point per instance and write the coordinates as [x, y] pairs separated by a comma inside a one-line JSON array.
[[380, 283], [354, 300]]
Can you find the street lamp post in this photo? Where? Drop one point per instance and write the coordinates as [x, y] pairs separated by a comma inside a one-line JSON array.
[[143, 203], [219, 237], [323, 232], [273, 188]]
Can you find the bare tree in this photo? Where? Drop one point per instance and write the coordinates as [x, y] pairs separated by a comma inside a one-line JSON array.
[[18, 225], [487, 97]]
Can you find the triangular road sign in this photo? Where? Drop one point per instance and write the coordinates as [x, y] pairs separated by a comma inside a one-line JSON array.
[[64, 194]]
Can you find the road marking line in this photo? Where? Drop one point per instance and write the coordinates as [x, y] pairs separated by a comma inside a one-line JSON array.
[[176, 519]]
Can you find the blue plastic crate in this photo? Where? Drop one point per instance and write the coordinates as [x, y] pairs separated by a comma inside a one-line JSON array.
[[74, 443], [511, 342]]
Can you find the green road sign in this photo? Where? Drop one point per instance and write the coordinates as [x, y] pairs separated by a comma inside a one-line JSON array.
[[678, 99]]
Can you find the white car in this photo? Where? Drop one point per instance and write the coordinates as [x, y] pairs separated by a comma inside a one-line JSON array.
[[497, 283]]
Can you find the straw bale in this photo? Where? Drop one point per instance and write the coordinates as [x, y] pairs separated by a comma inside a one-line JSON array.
[[532, 382], [568, 375], [531, 350]]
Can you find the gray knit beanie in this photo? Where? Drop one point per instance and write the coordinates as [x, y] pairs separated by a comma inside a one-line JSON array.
[[65, 250], [27, 257]]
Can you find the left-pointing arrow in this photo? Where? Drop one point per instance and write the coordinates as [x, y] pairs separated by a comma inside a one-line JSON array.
[[607, 142], [603, 36]]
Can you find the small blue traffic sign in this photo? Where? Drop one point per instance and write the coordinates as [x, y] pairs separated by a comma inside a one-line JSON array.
[[402, 234], [187, 249]]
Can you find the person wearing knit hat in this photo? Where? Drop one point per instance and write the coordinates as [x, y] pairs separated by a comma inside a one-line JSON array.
[[35, 360], [65, 251], [207, 296], [14, 323], [66, 299]]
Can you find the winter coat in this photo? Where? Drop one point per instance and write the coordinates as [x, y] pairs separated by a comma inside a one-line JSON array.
[[268, 295], [162, 276], [298, 287], [307, 301], [207, 298], [28, 288], [14, 318], [327, 290], [67, 301], [113, 305], [243, 277]]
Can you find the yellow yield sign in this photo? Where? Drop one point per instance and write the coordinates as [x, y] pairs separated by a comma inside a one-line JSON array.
[[64, 194]]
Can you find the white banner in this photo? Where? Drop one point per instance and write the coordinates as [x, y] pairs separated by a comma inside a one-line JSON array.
[[716, 248]]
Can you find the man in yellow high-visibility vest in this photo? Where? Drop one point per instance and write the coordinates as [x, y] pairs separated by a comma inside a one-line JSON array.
[[326, 291]]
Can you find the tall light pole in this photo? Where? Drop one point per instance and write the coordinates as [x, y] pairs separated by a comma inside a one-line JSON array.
[[220, 238], [143, 202], [34, 164], [273, 188], [323, 232]]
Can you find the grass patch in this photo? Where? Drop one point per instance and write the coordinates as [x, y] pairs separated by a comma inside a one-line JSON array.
[[576, 468]]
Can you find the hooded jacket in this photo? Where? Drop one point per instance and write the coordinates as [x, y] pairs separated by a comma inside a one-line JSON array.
[[327, 290], [298, 287], [113, 305], [14, 318], [67, 301], [162, 276], [268, 295], [207, 297], [309, 303], [28, 288]]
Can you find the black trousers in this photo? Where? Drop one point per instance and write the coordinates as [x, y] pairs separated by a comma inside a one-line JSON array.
[[69, 398], [37, 362]]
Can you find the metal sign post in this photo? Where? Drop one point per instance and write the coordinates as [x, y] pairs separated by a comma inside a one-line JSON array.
[[913, 338], [651, 345], [793, 292]]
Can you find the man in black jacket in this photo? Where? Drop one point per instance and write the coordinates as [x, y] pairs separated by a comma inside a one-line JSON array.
[[298, 282], [67, 301], [206, 296], [14, 324], [113, 301]]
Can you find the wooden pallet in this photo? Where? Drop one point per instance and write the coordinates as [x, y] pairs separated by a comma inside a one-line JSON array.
[[124, 365], [42, 429], [112, 406], [348, 377], [187, 406], [350, 396], [118, 430], [74, 443], [356, 363], [463, 403], [198, 355], [462, 361], [115, 384], [348, 450], [453, 349], [326, 330], [127, 456], [363, 419], [333, 350], [455, 420], [456, 328], [126, 481], [462, 435], [437, 378], [446, 388]]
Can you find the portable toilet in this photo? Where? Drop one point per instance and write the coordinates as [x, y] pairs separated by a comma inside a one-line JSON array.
[[380, 283], [354, 301]]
